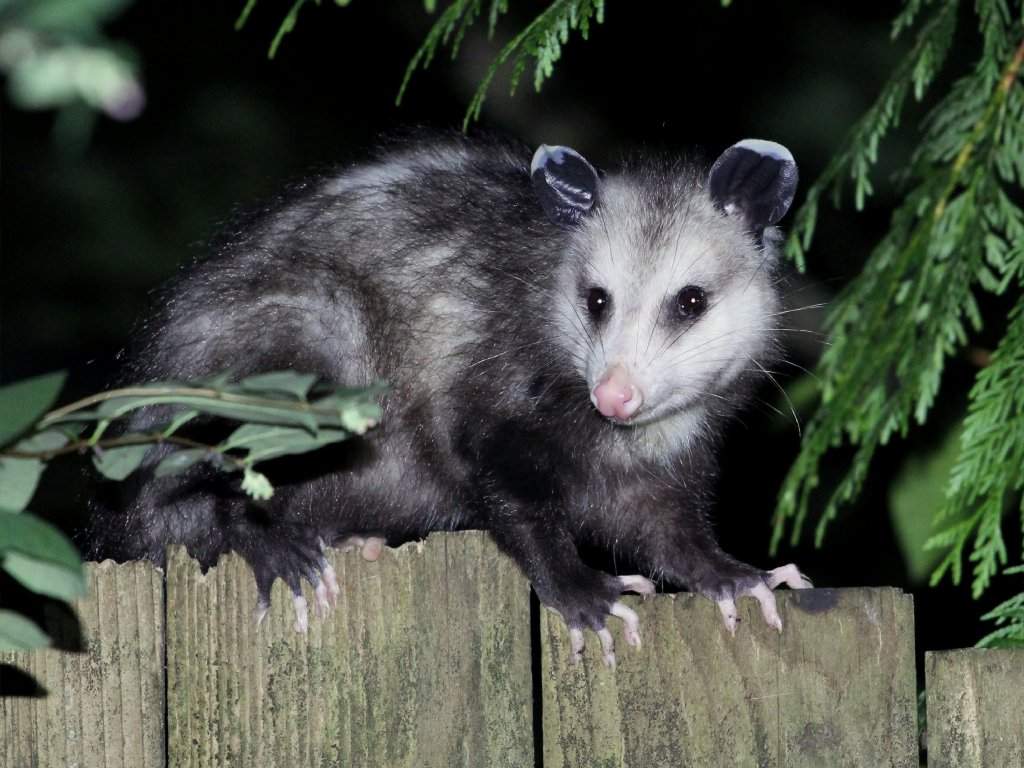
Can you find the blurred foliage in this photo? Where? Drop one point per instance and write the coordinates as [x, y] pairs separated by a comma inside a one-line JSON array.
[[31, 550], [55, 55], [958, 234], [916, 492]]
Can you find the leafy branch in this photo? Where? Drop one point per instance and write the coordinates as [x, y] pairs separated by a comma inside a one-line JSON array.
[[539, 43], [859, 153], [55, 56], [281, 413], [1008, 617], [957, 235]]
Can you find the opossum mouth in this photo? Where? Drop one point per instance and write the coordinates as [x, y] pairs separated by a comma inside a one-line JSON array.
[[656, 414], [638, 419]]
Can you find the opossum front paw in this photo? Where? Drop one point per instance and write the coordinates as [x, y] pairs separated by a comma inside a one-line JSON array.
[[590, 609], [756, 584]]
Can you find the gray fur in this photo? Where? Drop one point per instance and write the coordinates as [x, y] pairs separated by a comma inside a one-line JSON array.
[[435, 268]]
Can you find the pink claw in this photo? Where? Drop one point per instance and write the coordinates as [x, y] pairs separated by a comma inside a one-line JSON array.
[[728, 608], [323, 605], [301, 614]]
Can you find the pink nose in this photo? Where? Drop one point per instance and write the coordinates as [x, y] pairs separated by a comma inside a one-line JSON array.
[[616, 396]]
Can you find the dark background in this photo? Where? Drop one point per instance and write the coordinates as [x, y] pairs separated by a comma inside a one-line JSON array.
[[88, 232]]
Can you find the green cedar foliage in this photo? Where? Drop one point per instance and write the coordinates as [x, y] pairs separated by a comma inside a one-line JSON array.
[[957, 236], [539, 43]]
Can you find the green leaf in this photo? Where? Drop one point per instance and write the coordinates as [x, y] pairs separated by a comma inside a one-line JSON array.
[[23, 403], [119, 462], [360, 418], [353, 409], [178, 422], [18, 481], [263, 442], [44, 577], [20, 634], [76, 420], [32, 536], [19, 477], [217, 380], [179, 461], [257, 485], [41, 557], [284, 382], [266, 412]]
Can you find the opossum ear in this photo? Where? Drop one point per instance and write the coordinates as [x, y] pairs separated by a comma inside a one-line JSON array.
[[565, 183], [756, 179]]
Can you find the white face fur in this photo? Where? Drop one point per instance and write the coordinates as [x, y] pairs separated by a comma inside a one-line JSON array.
[[641, 260]]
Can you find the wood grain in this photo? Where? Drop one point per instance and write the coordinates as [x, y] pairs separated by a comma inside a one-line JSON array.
[[425, 662], [100, 701], [836, 688], [975, 708]]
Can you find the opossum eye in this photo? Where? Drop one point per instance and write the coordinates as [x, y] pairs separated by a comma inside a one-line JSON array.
[[598, 302], [692, 301]]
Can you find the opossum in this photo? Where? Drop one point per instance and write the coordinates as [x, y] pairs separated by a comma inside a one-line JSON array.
[[563, 347]]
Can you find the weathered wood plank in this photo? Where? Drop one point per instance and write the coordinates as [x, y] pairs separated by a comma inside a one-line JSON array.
[[102, 705], [836, 688], [424, 662], [975, 708]]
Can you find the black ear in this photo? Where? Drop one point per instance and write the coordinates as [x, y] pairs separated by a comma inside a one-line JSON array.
[[756, 179], [565, 183]]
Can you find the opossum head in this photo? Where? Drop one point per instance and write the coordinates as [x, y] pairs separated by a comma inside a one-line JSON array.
[[667, 297]]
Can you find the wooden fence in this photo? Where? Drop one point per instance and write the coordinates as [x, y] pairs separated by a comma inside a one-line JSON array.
[[435, 657]]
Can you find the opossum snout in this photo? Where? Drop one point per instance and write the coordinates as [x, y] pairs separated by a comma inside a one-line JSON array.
[[616, 395]]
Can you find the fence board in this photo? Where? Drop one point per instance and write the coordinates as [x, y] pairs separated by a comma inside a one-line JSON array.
[[975, 709], [425, 662], [102, 705], [837, 687]]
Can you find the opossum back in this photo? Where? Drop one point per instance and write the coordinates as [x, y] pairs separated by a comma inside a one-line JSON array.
[[349, 273]]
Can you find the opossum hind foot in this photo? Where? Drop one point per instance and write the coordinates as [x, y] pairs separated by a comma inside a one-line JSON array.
[[294, 559], [369, 546]]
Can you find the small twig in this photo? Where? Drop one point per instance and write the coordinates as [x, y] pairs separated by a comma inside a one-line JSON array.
[[156, 438], [978, 357], [964, 155], [182, 392], [1012, 70]]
